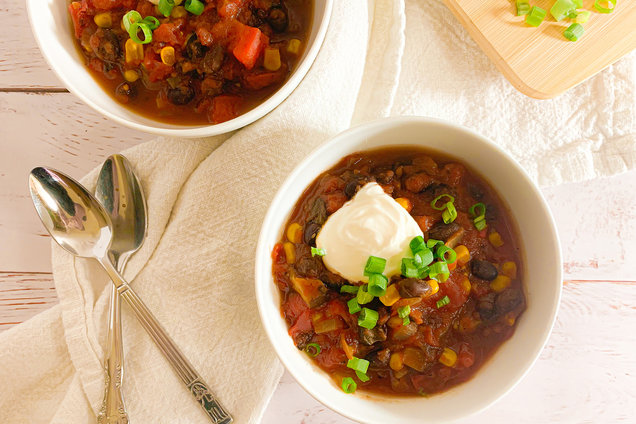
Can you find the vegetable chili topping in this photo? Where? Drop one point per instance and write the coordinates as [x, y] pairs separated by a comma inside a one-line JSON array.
[[429, 328], [192, 61]]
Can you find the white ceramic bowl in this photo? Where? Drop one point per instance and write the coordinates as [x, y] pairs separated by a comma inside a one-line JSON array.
[[50, 23], [542, 279]]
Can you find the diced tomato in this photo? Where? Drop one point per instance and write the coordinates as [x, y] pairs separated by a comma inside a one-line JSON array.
[[302, 325], [79, 16], [294, 307], [249, 45], [229, 8], [331, 183], [334, 201], [425, 222], [106, 4], [145, 8], [278, 254], [157, 70], [224, 108], [332, 357], [262, 80], [466, 356], [169, 34], [204, 35]]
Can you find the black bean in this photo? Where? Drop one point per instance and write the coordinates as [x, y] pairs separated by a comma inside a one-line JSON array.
[[109, 48], [277, 19], [213, 59], [194, 50], [125, 92], [486, 306], [413, 287], [508, 300], [483, 269], [369, 337], [181, 95], [441, 231], [310, 232]]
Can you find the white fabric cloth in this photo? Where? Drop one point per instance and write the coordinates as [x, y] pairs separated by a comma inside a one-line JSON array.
[[207, 199]]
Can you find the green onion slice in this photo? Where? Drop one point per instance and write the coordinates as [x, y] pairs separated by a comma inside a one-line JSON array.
[[451, 199], [368, 318], [450, 213], [406, 321], [439, 271], [349, 289], [424, 257], [417, 244], [409, 269], [423, 272], [442, 302], [354, 306], [165, 7], [362, 376], [194, 6], [363, 295], [476, 210], [348, 385], [578, 3], [446, 254], [583, 17], [377, 285], [315, 251], [536, 16], [374, 265], [431, 243], [562, 9], [574, 32], [313, 349], [603, 9], [130, 18], [523, 7], [404, 311], [358, 364], [152, 22], [134, 32], [480, 223]]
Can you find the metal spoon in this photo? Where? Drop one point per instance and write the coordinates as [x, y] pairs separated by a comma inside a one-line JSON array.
[[119, 192], [79, 224]]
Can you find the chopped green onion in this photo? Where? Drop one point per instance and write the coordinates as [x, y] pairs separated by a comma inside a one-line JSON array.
[[446, 254], [363, 295], [349, 289], [442, 302], [603, 9], [315, 251], [348, 385], [423, 272], [377, 285], [523, 7], [152, 22], [358, 364], [562, 9], [194, 6], [578, 3], [424, 257], [374, 265], [362, 376], [574, 32], [536, 16], [134, 30], [439, 271], [431, 243], [409, 269], [130, 18], [404, 311], [583, 16], [480, 223], [440, 208], [313, 349], [368, 318], [406, 321], [417, 244], [450, 213], [165, 7], [478, 209], [354, 306]]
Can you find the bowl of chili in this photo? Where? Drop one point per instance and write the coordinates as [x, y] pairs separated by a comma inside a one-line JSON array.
[[436, 340], [185, 68]]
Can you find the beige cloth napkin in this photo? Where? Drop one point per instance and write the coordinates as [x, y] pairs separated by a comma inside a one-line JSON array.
[[206, 201]]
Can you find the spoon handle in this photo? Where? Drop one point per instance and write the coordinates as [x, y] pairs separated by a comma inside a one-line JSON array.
[[193, 381]]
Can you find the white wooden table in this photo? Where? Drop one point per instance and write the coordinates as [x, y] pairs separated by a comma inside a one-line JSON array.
[[587, 373]]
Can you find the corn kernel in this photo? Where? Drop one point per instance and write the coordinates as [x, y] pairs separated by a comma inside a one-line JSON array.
[[294, 232], [466, 286], [463, 255], [509, 269], [405, 203], [271, 60], [167, 56], [103, 20], [448, 357], [178, 12], [510, 319], [290, 252], [131, 76], [293, 46], [397, 361], [495, 239], [434, 287], [134, 51], [391, 296], [500, 283]]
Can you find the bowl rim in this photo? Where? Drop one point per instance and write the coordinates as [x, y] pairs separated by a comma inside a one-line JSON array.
[[191, 131], [262, 254]]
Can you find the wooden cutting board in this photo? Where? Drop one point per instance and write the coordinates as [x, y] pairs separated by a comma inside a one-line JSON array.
[[540, 62]]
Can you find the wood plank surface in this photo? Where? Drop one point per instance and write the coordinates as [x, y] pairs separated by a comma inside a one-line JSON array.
[[23, 295], [541, 62]]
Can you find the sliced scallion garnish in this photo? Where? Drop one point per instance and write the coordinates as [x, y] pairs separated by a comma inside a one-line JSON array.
[[313, 349], [442, 302], [574, 32]]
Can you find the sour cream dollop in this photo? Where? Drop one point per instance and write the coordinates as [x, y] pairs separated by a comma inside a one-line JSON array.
[[372, 223]]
